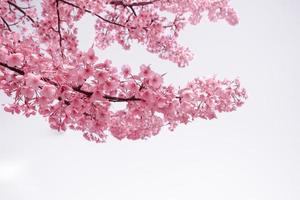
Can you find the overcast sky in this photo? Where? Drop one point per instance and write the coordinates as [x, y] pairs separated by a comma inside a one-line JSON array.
[[250, 154]]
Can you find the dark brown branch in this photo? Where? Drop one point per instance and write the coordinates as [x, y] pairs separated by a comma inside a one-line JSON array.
[[5, 22], [86, 93], [76, 89], [133, 11], [120, 99], [49, 81], [14, 69], [21, 10], [119, 2]]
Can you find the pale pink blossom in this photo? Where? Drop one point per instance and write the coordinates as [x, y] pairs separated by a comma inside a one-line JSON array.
[[187, 95], [28, 92], [155, 81], [90, 56], [145, 71], [33, 81], [126, 70], [3, 54], [15, 59], [48, 91]]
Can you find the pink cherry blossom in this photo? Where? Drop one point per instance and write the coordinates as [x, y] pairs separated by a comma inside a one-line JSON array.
[[28, 92], [126, 70], [145, 71], [48, 91], [45, 72], [90, 56], [3, 53], [155, 81], [33, 81], [15, 59]]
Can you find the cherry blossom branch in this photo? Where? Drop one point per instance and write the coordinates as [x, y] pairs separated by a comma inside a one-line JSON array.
[[119, 99], [21, 10], [131, 5], [86, 93], [76, 89], [14, 69], [89, 11], [110, 98], [76, 93]]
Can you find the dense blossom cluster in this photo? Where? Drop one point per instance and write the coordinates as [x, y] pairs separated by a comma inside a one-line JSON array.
[[45, 72]]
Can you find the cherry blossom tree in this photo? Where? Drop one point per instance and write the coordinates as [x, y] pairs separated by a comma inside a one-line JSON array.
[[44, 71]]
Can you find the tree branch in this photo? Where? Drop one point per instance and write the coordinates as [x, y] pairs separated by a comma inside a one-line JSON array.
[[5, 22], [76, 89], [119, 99], [119, 2], [133, 11], [86, 93], [21, 10], [14, 69], [89, 11]]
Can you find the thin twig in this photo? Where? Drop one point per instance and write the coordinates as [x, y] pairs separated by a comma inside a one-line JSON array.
[[133, 11], [5, 22], [21, 10], [89, 11]]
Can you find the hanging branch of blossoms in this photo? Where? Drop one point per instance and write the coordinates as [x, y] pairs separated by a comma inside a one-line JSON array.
[[44, 71]]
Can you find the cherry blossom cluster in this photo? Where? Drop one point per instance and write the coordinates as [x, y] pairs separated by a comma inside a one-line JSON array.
[[43, 70]]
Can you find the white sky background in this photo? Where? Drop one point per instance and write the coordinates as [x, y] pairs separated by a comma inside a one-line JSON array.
[[250, 154]]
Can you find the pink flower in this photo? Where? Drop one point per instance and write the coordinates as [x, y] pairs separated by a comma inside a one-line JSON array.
[[145, 71], [101, 76], [161, 103], [28, 92], [110, 85], [147, 95], [126, 70], [132, 86], [90, 56], [187, 95], [156, 80], [231, 17], [15, 59], [48, 91], [43, 101], [3, 54], [87, 72], [98, 95], [33, 81]]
